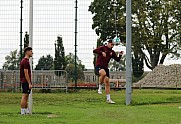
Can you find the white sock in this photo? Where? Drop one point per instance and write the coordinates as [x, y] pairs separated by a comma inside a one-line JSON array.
[[100, 87], [108, 96], [27, 111], [23, 110]]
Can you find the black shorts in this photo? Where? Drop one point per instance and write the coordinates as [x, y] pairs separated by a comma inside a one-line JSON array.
[[97, 68], [25, 87]]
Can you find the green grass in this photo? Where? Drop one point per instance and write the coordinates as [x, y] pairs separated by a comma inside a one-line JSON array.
[[88, 107]]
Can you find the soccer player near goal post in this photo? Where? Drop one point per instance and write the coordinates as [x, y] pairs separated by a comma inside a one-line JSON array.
[[25, 79], [105, 53]]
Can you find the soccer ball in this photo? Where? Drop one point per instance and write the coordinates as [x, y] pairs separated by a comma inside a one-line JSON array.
[[116, 41]]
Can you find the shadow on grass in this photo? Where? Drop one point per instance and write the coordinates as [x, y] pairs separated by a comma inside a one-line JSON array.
[[169, 100], [41, 113], [18, 113], [151, 103]]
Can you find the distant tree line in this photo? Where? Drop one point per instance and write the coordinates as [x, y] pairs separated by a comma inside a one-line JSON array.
[[46, 62]]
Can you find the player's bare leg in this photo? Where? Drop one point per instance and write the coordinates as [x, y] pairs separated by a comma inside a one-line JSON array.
[[24, 103], [102, 74], [107, 89]]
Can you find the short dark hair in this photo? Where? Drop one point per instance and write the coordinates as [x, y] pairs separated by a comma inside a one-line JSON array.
[[109, 41], [27, 49]]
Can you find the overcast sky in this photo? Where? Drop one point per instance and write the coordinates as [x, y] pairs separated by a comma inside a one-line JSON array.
[[51, 18]]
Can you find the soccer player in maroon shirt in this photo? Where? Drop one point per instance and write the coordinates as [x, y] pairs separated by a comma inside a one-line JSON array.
[[25, 78], [105, 53]]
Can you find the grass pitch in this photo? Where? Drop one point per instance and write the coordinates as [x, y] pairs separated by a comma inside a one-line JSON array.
[[88, 107]]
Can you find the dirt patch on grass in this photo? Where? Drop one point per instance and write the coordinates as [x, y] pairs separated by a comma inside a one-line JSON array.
[[52, 116]]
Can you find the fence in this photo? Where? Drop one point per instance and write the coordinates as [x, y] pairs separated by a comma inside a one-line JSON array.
[[161, 77], [45, 79], [51, 18]]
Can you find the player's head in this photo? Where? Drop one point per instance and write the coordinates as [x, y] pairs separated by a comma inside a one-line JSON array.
[[110, 44], [28, 51]]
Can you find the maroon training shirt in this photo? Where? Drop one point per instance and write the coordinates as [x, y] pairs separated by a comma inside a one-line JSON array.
[[103, 61], [25, 64]]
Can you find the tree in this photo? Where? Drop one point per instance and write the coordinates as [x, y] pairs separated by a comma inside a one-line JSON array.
[[155, 24], [59, 61], [70, 70], [12, 61], [137, 65], [26, 40], [70, 66], [108, 21], [45, 63], [26, 44]]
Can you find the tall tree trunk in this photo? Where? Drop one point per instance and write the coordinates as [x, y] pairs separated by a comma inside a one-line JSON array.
[[162, 59]]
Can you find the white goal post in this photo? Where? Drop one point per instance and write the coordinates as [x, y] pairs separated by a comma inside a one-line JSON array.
[[30, 102]]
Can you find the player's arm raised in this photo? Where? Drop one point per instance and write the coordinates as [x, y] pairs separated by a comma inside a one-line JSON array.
[[117, 58]]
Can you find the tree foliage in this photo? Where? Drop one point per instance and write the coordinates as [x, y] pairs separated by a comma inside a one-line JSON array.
[[26, 43], [156, 26], [137, 66], [45, 63], [59, 61], [70, 70], [70, 66], [106, 24], [26, 40], [12, 61]]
